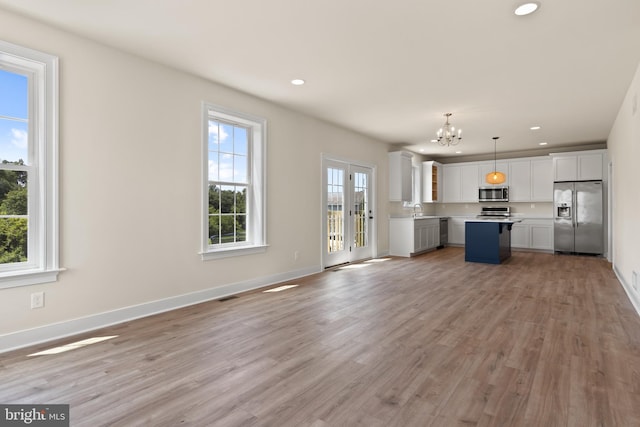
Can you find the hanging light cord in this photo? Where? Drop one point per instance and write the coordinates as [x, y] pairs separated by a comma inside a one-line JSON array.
[[495, 165]]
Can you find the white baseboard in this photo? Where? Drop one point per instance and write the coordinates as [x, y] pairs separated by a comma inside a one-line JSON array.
[[631, 293], [54, 331]]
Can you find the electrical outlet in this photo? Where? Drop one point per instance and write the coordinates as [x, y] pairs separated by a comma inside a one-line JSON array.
[[533, 205], [296, 255], [37, 300], [634, 280]]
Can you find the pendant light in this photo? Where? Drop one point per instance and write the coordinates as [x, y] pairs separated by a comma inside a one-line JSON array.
[[495, 177]]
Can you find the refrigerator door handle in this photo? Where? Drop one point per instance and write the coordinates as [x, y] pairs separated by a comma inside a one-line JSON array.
[[574, 200]]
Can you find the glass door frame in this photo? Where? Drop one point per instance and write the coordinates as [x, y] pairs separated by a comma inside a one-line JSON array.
[[347, 255]]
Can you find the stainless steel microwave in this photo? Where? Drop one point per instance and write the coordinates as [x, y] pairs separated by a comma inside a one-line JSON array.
[[493, 194]]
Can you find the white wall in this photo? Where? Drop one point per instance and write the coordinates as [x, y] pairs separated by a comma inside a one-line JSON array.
[[130, 138], [624, 154]]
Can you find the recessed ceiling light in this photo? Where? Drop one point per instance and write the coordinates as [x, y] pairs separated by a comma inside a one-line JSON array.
[[297, 82], [458, 152], [422, 150], [526, 8], [542, 143], [534, 127], [434, 140]]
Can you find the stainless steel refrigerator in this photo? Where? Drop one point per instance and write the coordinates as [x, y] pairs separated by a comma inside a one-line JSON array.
[[578, 216]]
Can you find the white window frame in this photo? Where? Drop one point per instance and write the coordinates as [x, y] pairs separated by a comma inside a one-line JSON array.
[[43, 242], [256, 241]]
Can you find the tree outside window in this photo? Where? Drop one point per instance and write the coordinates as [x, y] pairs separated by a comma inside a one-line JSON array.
[[234, 147]]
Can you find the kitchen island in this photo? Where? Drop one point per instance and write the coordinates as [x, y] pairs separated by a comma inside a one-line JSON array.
[[487, 240]]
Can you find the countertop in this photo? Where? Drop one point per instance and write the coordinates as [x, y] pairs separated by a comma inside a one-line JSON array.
[[501, 220], [519, 217], [412, 217]]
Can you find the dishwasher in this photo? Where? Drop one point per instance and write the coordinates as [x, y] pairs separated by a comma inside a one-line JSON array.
[[444, 232]]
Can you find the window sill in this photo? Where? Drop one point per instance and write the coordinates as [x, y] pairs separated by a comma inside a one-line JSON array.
[[28, 277], [232, 252]]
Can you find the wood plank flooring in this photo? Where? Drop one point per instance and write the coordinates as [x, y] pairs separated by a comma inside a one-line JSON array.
[[542, 340]]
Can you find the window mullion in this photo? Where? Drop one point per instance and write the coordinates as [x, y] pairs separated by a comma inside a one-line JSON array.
[[230, 139], [39, 72]]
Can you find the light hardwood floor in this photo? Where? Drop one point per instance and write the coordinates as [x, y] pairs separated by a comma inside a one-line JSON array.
[[542, 340]]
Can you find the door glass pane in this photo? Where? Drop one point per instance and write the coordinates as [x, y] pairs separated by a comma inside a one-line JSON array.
[[335, 210], [360, 209]]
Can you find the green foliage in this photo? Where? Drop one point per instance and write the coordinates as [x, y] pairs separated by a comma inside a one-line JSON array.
[[13, 201], [13, 240], [10, 179], [227, 214]]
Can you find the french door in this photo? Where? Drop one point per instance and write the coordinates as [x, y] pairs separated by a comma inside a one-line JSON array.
[[348, 212]]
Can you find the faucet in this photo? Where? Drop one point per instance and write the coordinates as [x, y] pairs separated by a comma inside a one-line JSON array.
[[417, 205]]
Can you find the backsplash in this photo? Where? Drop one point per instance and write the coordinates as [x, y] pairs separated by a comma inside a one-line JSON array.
[[531, 209], [398, 209]]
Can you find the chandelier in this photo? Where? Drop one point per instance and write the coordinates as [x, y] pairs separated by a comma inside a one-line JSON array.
[[447, 133], [495, 177]]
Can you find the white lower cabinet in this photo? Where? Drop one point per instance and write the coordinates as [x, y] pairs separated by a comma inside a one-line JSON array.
[[456, 231], [520, 235], [542, 235], [408, 236], [528, 234], [533, 234]]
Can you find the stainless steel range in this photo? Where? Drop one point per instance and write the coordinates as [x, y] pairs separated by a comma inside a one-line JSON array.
[[495, 212]]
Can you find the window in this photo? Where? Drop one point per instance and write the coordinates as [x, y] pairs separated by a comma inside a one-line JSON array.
[[28, 166], [234, 187]]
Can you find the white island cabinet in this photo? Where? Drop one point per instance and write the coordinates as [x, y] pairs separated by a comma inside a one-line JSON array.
[[411, 236]]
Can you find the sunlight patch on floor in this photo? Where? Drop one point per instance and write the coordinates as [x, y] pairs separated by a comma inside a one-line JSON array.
[[72, 346], [280, 288], [353, 266]]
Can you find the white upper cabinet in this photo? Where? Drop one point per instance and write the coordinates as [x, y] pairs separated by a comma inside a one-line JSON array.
[[460, 182], [578, 166], [531, 180], [469, 181], [451, 185], [542, 180], [520, 180], [590, 166], [400, 176]]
